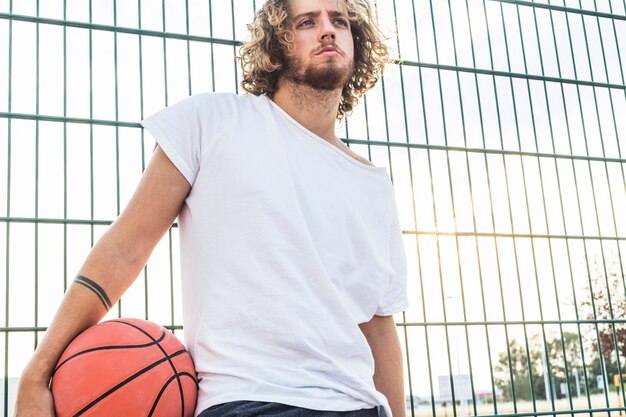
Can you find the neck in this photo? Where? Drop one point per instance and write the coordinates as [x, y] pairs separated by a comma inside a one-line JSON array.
[[314, 109]]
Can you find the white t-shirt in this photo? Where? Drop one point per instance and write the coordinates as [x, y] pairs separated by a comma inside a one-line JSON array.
[[287, 244]]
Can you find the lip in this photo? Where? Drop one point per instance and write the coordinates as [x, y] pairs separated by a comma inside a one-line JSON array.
[[328, 50]]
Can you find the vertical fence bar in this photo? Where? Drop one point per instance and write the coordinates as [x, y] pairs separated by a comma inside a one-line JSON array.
[[562, 208], [36, 260], [606, 171], [493, 221], [211, 45], [619, 153], [117, 132], [189, 86], [475, 229], [454, 213], [530, 222], [91, 155], [512, 222], [417, 243], [165, 78], [584, 130], [143, 148], [5, 404], [441, 276], [65, 189], [232, 21], [545, 210], [406, 131]]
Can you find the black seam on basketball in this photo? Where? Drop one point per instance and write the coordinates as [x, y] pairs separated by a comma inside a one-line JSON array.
[[112, 347], [180, 385], [158, 398], [127, 380], [93, 286]]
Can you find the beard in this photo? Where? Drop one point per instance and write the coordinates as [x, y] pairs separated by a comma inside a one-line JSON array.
[[328, 76]]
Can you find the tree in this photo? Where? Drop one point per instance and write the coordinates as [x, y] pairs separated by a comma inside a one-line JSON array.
[[518, 370], [566, 364], [604, 295], [563, 354]]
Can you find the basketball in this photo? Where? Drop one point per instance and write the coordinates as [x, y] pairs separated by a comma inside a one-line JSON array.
[[125, 367]]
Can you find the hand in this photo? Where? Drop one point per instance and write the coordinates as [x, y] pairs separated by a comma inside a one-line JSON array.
[[34, 398]]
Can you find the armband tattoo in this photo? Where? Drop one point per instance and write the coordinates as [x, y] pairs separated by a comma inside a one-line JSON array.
[[102, 295]]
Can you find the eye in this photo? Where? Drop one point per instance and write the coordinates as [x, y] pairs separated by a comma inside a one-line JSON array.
[[341, 21], [307, 22]]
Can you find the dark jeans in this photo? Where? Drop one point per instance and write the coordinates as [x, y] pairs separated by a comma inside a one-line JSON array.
[[258, 408]]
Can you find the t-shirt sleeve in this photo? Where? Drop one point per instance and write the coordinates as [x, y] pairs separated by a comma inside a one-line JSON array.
[[395, 300], [176, 130]]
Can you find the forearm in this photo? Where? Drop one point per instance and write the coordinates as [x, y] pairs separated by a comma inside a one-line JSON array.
[[389, 373], [107, 275], [79, 310], [383, 339]]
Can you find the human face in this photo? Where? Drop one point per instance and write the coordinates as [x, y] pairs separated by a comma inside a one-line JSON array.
[[323, 53]]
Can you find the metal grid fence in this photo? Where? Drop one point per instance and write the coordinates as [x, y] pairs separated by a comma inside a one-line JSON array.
[[501, 124]]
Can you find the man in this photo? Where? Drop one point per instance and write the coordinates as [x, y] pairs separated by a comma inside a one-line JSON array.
[[291, 250]]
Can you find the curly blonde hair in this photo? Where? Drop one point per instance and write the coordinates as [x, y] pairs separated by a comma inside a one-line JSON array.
[[262, 58]]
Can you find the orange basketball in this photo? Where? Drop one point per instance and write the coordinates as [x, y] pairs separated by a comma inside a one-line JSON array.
[[125, 367]]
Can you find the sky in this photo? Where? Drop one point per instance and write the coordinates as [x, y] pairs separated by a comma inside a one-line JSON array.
[[451, 201]]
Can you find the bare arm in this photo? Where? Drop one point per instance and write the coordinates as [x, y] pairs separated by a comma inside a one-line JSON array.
[[110, 268], [382, 336]]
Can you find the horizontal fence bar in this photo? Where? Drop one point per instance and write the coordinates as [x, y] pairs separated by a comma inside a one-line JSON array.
[[565, 9], [220, 41], [61, 119], [513, 235], [86, 222], [508, 74], [55, 221], [410, 145], [484, 150], [23, 329], [507, 322], [117, 29], [555, 412], [27, 329]]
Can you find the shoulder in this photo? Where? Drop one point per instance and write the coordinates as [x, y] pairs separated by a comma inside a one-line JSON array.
[[225, 100], [224, 107]]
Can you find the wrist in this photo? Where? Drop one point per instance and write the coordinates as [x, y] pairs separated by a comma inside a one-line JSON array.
[[36, 373]]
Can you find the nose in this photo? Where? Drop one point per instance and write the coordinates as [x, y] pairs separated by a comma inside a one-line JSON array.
[[327, 32]]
